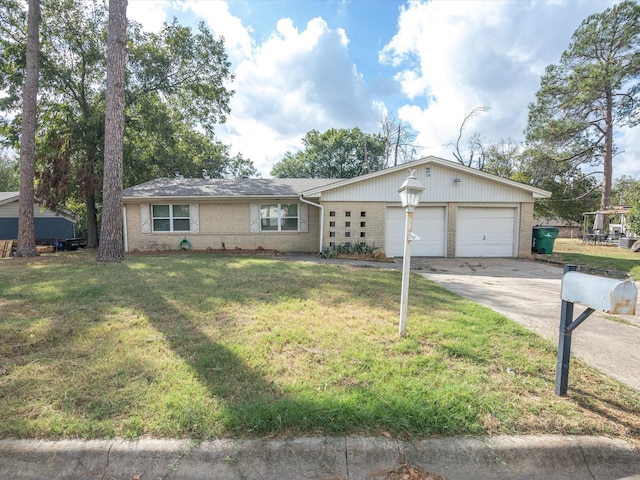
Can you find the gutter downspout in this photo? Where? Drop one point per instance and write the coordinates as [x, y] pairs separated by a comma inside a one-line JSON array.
[[125, 233], [321, 207]]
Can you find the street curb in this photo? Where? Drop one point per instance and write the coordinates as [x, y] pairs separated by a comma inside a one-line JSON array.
[[322, 458]]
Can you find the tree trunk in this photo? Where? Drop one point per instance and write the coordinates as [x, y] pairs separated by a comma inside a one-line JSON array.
[[111, 247], [92, 219], [605, 201], [395, 155], [26, 229]]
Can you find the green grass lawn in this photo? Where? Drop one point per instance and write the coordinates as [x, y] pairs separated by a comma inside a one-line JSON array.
[[207, 346], [601, 259]]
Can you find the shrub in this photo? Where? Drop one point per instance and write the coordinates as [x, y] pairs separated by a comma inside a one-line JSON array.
[[360, 248], [633, 218]]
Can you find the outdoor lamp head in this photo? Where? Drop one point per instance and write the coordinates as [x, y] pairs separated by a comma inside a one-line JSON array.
[[410, 191]]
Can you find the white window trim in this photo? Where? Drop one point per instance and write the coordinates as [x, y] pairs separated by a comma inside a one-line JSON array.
[[280, 217], [255, 220], [172, 218]]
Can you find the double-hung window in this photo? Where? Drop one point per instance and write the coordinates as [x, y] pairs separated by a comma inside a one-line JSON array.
[[170, 218], [279, 217]]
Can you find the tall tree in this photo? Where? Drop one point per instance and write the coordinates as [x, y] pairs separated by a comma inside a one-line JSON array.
[[399, 141], [26, 231], [472, 152], [591, 92], [336, 153], [111, 243]]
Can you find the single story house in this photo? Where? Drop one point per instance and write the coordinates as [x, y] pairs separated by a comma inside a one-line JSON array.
[[463, 212], [49, 226], [566, 228]]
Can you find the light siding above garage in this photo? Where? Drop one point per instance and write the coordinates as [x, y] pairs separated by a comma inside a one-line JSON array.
[[438, 180]]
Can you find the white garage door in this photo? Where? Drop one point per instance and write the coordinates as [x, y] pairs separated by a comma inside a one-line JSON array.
[[485, 232], [428, 224]]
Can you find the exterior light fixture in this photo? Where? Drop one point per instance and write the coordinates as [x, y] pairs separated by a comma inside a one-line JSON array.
[[410, 193], [457, 180]]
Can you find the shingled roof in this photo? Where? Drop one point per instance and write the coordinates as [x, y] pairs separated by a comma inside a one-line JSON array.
[[225, 187], [8, 197]]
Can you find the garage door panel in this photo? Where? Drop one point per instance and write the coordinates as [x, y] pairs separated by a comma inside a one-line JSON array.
[[428, 224], [485, 232]]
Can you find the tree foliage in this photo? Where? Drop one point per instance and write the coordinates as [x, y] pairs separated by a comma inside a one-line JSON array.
[[336, 153], [471, 153], [590, 93], [9, 173], [627, 191], [175, 95], [572, 192], [399, 141]]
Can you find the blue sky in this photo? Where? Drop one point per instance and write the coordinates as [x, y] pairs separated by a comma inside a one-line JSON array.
[[317, 64]]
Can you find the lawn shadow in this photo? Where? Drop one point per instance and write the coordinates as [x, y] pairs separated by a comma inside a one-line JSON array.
[[243, 391]]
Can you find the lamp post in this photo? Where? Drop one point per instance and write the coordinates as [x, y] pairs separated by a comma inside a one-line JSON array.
[[409, 192]]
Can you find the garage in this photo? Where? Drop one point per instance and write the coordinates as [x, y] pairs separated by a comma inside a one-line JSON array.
[[485, 232], [428, 223]]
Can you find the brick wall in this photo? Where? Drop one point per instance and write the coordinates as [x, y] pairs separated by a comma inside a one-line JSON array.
[[226, 224], [526, 226], [452, 220], [354, 222]]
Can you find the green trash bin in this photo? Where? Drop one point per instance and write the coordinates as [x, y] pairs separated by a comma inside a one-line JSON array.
[[543, 238]]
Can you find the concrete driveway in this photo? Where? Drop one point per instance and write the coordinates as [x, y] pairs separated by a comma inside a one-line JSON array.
[[529, 293]]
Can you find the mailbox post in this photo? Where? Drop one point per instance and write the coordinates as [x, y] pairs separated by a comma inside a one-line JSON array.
[[595, 293]]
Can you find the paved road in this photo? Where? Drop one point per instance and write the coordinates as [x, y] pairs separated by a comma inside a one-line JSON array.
[[529, 293]]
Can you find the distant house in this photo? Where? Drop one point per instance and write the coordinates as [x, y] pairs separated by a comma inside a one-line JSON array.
[[463, 213], [566, 228], [49, 226]]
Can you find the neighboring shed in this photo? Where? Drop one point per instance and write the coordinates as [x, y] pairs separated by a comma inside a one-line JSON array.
[[463, 213], [49, 226]]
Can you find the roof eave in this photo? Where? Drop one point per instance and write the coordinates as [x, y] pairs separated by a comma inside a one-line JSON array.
[[208, 197], [537, 193], [10, 199]]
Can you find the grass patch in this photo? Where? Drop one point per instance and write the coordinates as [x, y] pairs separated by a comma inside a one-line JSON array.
[[608, 260], [207, 346]]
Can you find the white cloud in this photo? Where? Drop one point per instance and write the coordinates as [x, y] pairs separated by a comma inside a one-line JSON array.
[[151, 14], [626, 161], [445, 58], [452, 56], [294, 82], [237, 38]]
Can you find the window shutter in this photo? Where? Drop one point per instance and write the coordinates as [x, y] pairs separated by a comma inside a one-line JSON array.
[[145, 218], [194, 218], [254, 217], [303, 223]]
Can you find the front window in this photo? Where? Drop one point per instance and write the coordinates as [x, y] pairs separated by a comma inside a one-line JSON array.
[[279, 217], [170, 218]]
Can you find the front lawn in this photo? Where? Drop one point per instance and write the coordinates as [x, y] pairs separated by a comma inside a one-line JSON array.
[[207, 346]]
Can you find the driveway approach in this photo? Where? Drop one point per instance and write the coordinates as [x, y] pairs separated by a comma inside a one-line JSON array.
[[528, 292]]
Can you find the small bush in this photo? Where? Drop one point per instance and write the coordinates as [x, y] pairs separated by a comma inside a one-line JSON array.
[[360, 248]]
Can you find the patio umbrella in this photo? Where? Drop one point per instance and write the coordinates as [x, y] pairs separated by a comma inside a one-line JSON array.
[[598, 222]]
